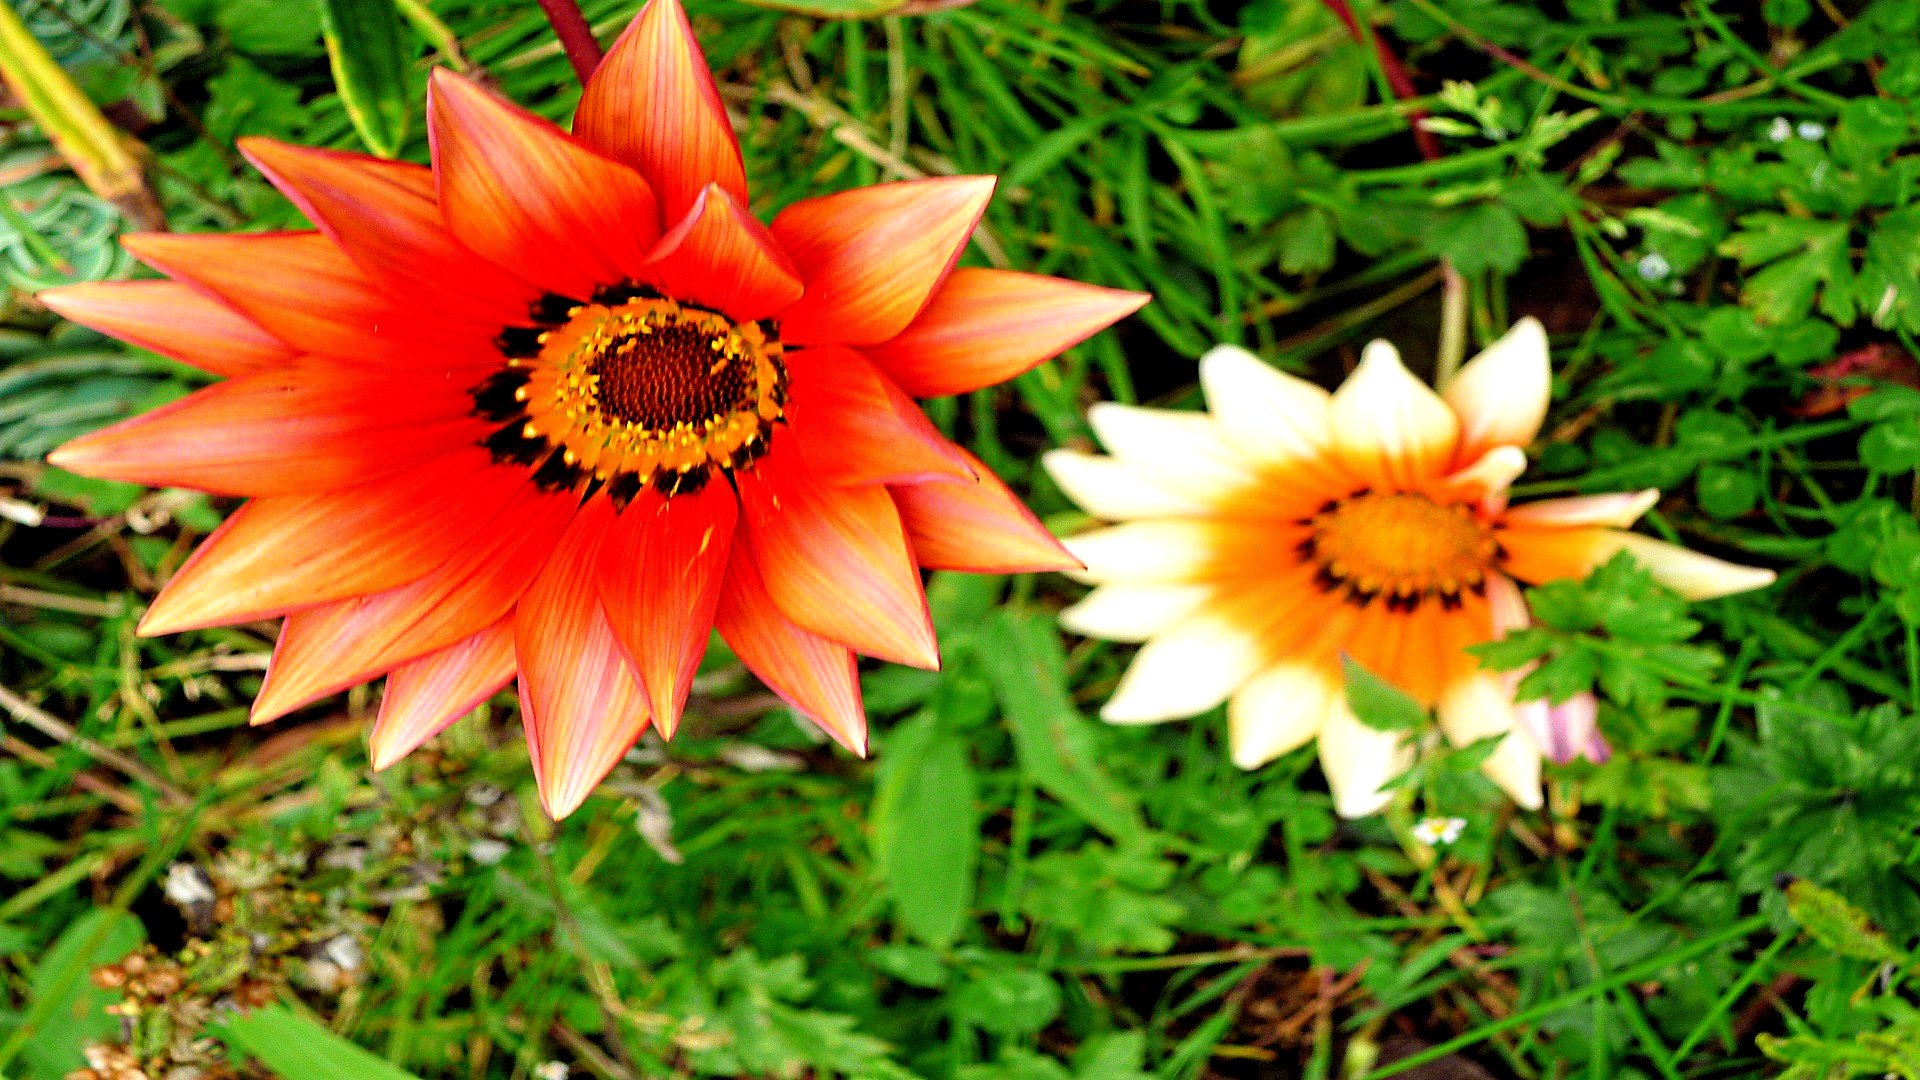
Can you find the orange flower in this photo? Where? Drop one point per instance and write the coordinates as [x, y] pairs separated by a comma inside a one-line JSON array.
[[1261, 542], [561, 405]]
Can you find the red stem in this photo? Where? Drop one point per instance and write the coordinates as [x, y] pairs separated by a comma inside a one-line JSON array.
[[1396, 75], [576, 37]]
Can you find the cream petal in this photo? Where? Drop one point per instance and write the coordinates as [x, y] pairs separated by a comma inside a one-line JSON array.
[[1506, 605], [1162, 549], [1489, 476], [1279, 710], [1265, 412], [1116, 490], [1388, 426], [1132, 612], [1514, 765], [1501, 396], [1186, 671], [1481, 706], [1185, 449], [1689, 573], [1359, 761], [1618, 510]]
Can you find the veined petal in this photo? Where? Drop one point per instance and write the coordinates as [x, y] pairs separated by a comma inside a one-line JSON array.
[[1388, 427], [286, 552], [720, 256], [299, 428], [1156, 550], [1568, 730], [660, 573], [872, 257], [1359, 761], [977, 525], [1178, 449], [579, 701], [1481, 706], [323, 650], [383, 215], [857, 428], [835, 559], [1132, 612], [1539, 555], [1117, 490], [1501, 395], [174, 320], [983, 327], [1273, 417], [521, 193], [424, 696], [1618, 510], [652, 103], [1196, 664], [811, 673], [304, 290], [1280, 710]]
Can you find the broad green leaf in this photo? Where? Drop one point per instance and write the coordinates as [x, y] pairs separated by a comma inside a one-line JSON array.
[[67, 1010], [926, 832], [300, 1049], [1378, 703], [368, 53]]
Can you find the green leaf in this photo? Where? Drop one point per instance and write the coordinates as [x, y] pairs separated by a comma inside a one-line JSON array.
[[1830, 919], [67, 1010], [300, 1049], [368, 54], [926, 833], [833, 9], [1378, 703]]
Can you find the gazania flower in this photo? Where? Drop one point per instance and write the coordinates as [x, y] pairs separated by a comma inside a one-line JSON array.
[[1261, 543], [559, 406]]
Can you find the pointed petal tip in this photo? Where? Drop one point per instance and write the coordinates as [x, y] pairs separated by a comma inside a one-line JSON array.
[[1379, 353], [561, 805]]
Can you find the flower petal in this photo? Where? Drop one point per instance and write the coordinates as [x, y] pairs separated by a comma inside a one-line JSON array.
[[1481, 706], [1501, 395], [1486, 480], [660, 573], [1271, 416], [872, 257], [720, 256], [1691, 574], [1279, 710], [1538, 555], [383, 215], [1389, 427], [1157, 550], [855, 427], [1568, 730], [1192, 667], [835, 559], [1132, 612], [299, 428], [286, 552], [424, 696], [1117, 490], [580, 704], [983, 327], [652, 103], [174, 320], [1618, 510], [811, 673], [323, 650], [524, 195], [1359, 761], [1186, 451], [978, 525]]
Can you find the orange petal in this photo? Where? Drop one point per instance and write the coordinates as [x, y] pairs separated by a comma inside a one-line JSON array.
[[287, 552], [871, 257], [660, 579], [720, 256], [985, 326], [298, 428], [323, 650], [814, 675], [835, 559], [305, 291], [383, 215], [857, 428], [579, 701], [173, 320], [425, 695], [652, 104], [520, 192], [978, 525]]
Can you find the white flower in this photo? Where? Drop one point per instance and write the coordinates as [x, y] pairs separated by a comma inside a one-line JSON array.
[[1439, 832], [1780, 130], [551, 1070], [1654, 266], [1811, 130]]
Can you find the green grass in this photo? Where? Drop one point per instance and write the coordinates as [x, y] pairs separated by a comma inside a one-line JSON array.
[[1010, 889]]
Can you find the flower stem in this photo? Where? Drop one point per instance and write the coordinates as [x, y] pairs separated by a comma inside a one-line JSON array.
[[1453, 325], [576, 37]]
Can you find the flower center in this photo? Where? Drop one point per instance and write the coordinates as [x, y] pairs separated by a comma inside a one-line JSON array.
[[634, 389], [1404, 546]]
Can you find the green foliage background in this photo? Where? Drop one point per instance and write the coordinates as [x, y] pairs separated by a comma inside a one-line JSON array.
[[1715, 206]]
